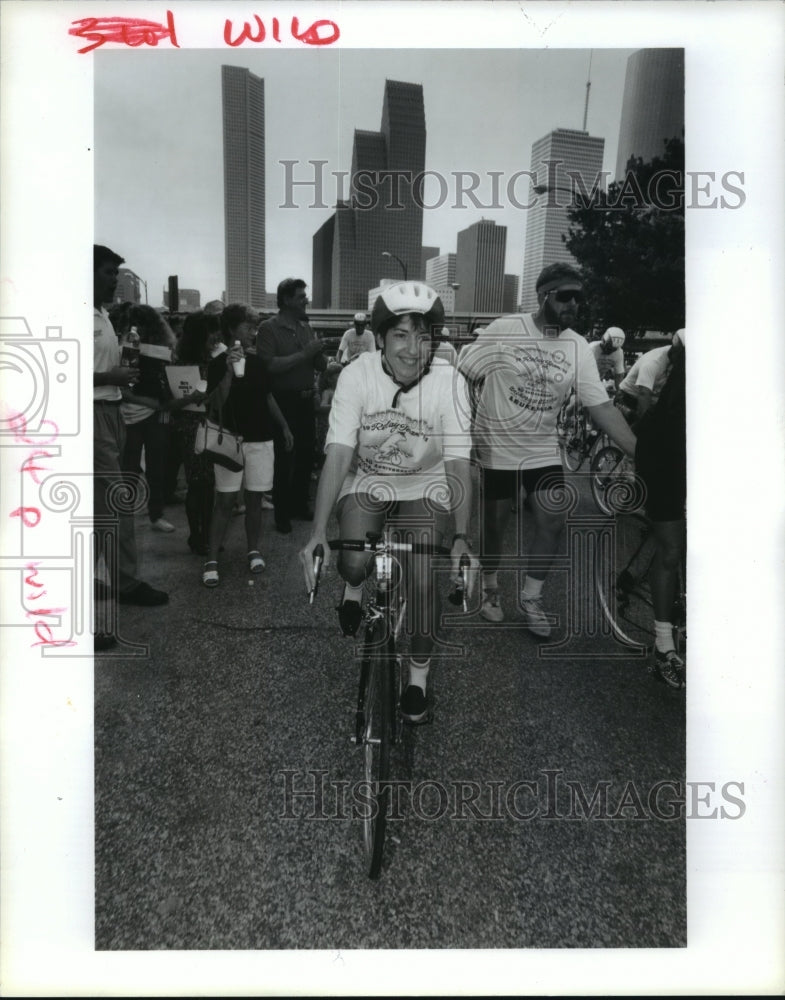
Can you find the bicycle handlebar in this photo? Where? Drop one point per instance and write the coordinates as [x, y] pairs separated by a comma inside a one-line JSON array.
[[378, 545]]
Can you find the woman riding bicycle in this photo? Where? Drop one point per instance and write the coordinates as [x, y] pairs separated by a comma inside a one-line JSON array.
[[398, 448]]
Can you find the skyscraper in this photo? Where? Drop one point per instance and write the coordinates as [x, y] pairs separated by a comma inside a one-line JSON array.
[[653, 107], [243, 148], [479, 267], [381, 213], [440, 271], [510, 299], [560, 160]]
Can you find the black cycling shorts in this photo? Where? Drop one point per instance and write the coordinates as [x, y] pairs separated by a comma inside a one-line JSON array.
[[665, 479], [504, 484]]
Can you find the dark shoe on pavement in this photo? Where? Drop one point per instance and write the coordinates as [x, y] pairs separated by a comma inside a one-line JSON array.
[[197, 546], [414, 705], [144, 595], [303, 514], [350, 615], [283, 526], [103, 641], [669, 668]]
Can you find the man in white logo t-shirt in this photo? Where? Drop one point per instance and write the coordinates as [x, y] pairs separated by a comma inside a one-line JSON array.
[[522, 367]]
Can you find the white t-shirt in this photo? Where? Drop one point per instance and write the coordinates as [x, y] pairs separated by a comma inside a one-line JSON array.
[[351, 345], [399, 453], [650, 371], [609, 363], [523, 376], [106, 354]]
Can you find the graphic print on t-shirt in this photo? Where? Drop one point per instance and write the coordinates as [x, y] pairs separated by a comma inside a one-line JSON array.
[[392, 443], [535, 378]]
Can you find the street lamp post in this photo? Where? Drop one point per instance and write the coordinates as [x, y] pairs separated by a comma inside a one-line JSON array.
[[455, 286], [386, 253]]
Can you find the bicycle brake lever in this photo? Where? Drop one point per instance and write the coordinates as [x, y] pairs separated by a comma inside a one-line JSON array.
[[458, 595], [318, 559]]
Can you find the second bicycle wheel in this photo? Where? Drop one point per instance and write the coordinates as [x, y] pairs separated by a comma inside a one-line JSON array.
[[375, 740], [612, 485], [571, 443], [623, 568]]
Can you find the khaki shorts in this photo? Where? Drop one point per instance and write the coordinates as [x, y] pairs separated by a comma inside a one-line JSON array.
[[257, 474]]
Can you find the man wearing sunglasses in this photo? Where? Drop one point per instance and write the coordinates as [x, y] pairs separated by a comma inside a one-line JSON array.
[[522, 367]]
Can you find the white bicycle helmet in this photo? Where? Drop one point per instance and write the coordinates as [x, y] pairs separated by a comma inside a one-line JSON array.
[[407, 297], [679, 336], [614, 335]]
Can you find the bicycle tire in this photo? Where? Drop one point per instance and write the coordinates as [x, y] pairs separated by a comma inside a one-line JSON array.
[[375, 737], [571, 441], [622, 581], [608, 466]]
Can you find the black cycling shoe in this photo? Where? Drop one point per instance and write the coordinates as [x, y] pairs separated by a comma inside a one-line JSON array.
[[414, 705], [350, 614]]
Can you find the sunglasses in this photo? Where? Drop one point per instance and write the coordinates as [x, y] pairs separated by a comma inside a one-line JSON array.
[[568, 294]]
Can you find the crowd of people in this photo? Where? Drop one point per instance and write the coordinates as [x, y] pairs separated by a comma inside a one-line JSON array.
[[392, 427]]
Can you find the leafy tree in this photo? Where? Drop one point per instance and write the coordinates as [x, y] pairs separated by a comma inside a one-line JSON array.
[[629, 243]]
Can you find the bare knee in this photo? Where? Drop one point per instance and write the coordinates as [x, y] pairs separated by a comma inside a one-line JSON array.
[[353, 567]]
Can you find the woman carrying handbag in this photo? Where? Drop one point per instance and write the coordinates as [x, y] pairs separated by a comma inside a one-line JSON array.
[[242, 404]]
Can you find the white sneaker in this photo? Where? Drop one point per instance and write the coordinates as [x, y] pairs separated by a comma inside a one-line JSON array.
[[491, 608], [161, 525], [534, 616], [267, 503]]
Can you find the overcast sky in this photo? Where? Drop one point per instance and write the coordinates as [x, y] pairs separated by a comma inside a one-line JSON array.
[[158, 146]]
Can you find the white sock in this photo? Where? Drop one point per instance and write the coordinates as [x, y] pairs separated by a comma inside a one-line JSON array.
[[351, 593], [489, 580], [418, 673], [531, 588], [663, 636]]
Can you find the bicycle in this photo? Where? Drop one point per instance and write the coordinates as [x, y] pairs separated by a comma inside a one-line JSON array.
[[378, 724], [622, 579], [578, 437]]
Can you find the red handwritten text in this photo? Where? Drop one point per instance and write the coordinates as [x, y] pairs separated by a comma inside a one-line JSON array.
[[42, 630], [131, 31], [312, 35], [31, 518]]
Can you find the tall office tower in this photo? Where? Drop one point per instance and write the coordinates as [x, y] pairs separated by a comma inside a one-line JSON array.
[[243, 147], [653, 106], [440, 271], [321, 285], [381, 214], [510, 296], [562, 161], [128, 286], [428, 253], [479, 267]]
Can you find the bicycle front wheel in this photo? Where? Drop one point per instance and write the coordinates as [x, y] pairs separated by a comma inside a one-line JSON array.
[[622, 580], [571, 444], [609, 473], [375, 738]]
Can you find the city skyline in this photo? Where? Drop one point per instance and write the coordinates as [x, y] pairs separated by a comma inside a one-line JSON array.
[[170, 219], [242, 107], [577, 153]]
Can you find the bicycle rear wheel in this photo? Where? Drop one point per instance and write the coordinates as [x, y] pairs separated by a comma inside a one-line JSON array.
[[571, 442], [612, 484], [375, 735], [622, 579]]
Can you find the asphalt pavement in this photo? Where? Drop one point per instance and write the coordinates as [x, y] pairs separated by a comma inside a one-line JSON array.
[[539, 808]]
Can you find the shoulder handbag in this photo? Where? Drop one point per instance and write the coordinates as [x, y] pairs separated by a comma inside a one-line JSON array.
[[219, 445]]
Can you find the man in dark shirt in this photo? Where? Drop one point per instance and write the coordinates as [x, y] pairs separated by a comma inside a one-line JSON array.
[[292, 353]]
